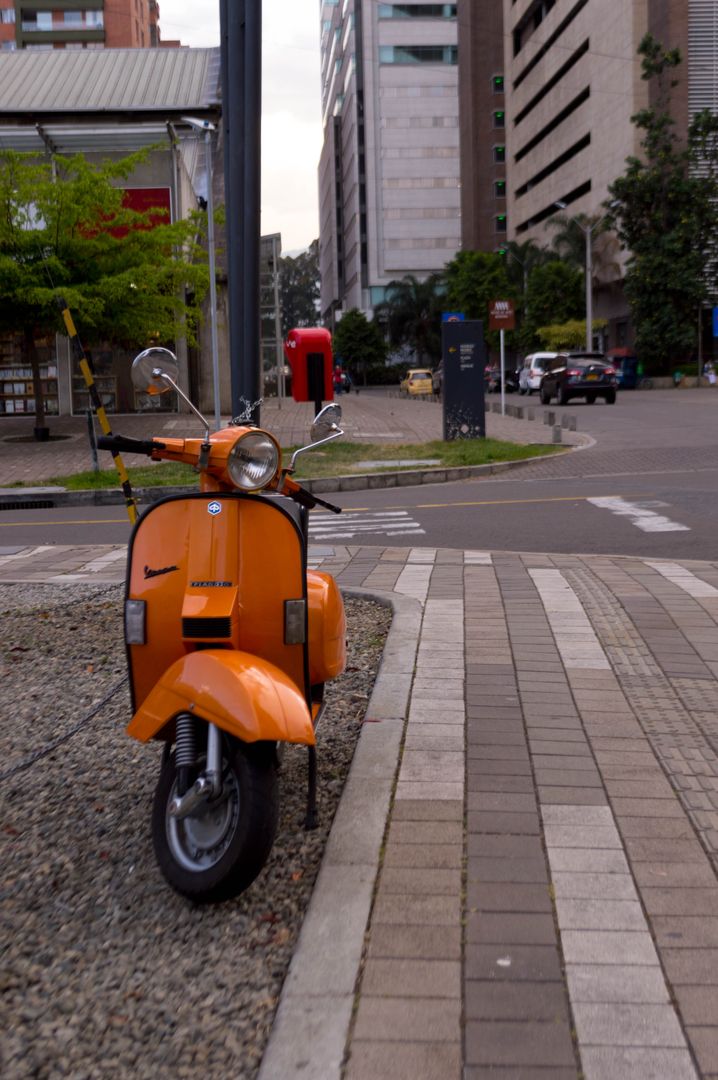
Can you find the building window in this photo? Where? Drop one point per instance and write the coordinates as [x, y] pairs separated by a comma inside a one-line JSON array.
[[7, 15], [418, 54], [499, 118], [497, 84], [500, 189], [499, 153], [417, 11], [501, 223]]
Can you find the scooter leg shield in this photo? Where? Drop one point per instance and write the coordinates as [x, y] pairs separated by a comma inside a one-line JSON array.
[[242, 694]]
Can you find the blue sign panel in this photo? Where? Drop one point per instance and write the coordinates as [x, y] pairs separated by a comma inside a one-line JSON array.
[[452, 316], [715, 322]]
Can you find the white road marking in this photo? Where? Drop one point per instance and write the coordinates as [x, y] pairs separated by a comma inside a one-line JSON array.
[[639, 514], [684, 579], [383, 523]]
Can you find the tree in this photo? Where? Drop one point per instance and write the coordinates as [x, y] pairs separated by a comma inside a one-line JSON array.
[[665, 210], [299, 279], [555, 294], [65, 232], [411, 313], [359, 345], [474, 279], [521, 259], [569, 243], [568, 335]]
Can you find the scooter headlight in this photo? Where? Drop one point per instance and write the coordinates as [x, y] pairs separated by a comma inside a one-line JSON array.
[[253, 461]]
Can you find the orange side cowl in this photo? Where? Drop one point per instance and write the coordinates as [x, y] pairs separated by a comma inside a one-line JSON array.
[[242, 694]]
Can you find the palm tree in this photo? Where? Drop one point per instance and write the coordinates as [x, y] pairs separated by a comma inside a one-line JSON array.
[[521, 259], [411, 314], [569, 243]]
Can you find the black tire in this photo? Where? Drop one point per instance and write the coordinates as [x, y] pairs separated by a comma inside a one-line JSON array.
[[563, 398], [545, 397], [610, 397], [217, 854], [591, 399]]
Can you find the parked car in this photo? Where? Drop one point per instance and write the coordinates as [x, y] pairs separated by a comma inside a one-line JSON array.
[[417, 381], [532, 369], [571, 375]]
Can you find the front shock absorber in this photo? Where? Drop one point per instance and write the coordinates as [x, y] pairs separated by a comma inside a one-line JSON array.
[[185, 751]]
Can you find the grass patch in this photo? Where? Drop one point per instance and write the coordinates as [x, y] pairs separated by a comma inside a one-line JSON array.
[[334, 460]]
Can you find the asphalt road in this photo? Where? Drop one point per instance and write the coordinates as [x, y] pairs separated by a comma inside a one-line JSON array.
[[647, 488]]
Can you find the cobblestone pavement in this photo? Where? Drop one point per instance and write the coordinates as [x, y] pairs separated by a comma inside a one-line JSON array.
[[546, 901]]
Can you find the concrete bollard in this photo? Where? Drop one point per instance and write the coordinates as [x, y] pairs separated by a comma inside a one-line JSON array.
[[530, 414], [549, 418], [568, 423], [556, 433]]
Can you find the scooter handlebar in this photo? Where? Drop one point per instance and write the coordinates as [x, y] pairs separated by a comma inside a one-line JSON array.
[[306, 498], [121, 443]]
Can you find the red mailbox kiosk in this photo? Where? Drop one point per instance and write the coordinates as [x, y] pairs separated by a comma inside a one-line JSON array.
[[309, 353]]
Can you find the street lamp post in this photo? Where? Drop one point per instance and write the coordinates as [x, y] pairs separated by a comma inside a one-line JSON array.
[[587, 231], [208, 129]]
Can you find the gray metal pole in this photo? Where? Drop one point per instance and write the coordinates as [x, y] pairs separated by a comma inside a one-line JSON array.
[[251, 207], [232, 54], [212, 281], [589, 291]]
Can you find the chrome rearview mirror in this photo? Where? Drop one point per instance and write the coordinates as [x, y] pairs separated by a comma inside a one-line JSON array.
[[324, 429], [150, 368], [326, 422], [155, 371]]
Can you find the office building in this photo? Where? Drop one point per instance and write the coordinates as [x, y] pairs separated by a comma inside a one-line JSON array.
[[389, 183], [55, 24], [482, 119], [571, 78]]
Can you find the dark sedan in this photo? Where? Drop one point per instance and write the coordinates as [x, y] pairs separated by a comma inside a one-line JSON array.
[[585, 375]]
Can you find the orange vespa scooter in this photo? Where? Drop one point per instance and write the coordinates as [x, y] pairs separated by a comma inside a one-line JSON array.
[[230, 639]]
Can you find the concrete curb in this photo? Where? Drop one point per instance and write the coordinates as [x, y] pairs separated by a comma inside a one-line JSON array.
[[311, 1026], [48, 498]]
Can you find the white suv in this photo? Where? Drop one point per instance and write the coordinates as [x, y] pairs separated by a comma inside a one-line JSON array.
[[532, 371]]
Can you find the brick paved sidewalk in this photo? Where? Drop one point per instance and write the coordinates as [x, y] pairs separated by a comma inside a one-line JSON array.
[[546, 903]]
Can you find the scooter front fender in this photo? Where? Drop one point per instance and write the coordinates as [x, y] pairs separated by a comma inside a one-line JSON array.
[[242, 694]]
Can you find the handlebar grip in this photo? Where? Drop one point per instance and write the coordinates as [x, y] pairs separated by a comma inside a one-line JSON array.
[[306, 498], [119, 443]]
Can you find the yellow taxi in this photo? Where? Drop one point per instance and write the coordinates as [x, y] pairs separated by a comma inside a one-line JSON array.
[[417, 381]]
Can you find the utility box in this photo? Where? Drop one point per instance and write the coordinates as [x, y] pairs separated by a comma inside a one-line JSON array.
[[309, 353]]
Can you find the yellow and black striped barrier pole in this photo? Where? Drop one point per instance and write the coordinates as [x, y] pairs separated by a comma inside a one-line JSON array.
[[99, 408]]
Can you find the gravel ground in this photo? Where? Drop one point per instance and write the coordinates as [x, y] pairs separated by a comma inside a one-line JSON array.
[[105, 971]]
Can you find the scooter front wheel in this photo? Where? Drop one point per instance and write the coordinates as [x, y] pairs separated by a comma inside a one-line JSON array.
[[218, 850]]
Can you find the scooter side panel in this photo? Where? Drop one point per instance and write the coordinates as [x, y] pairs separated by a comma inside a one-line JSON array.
[[243, 695], [327, 628], [228, 571]]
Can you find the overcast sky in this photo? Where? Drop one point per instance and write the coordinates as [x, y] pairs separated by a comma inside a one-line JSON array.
[[291, 110]]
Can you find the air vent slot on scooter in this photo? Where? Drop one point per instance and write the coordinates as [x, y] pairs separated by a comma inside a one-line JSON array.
[[219, 627]]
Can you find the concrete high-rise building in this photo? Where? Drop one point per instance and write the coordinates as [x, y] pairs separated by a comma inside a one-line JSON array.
[[571, 81], [79, 24], [389, 184], [482, 114]]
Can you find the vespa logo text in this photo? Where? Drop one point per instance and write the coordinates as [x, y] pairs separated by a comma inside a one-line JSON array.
[[210, 584], [214, 508], [157, 573]]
